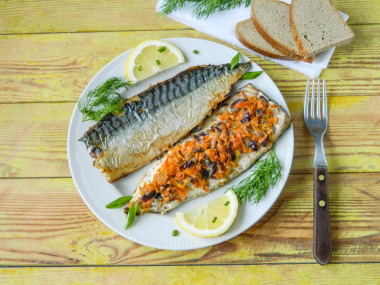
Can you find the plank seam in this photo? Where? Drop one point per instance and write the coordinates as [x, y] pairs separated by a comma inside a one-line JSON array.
[[185, 264], [147, 30], [102, 31]]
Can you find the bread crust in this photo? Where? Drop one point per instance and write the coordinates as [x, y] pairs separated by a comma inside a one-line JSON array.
[[257, 49], [273, 42], [303, 49], [292, 54]]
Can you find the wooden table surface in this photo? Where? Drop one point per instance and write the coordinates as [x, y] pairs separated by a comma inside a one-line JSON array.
[[49, 50]]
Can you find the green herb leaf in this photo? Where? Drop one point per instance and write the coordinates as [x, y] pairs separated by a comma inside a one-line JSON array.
[[202, 8], [161, 49], [175, 233], [195, 51], [131, 215], [254, 187], [235, 60], [158, 62], [227, 203], [250, 75], [214, 220], [119, 202], [104, 99]]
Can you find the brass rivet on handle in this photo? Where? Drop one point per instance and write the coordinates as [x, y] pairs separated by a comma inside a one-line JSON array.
[[321, 177], [322, 203]]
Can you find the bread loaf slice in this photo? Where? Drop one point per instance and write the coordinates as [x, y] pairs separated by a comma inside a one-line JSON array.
[[317, 26], [271, 19], [248, 36]]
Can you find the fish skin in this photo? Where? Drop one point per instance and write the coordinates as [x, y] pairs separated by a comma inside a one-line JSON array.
[[153, 120], [246, 160]]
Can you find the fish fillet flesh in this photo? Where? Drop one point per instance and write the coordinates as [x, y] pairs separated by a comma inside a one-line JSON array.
[[155, 119], [230, 141]]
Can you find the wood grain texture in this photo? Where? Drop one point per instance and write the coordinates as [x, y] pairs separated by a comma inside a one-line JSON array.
[[322, 247], [57, 67], [117, 15], [33, 137], [49, 51], [334, 274], [79, 16], [44, 221]]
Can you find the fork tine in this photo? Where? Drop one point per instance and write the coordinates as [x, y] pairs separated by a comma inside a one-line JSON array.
[[319, 101], [325, 113], [306, 105], [312, 115]]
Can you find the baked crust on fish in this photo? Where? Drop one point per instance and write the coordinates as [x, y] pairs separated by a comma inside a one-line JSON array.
[[235, 136]]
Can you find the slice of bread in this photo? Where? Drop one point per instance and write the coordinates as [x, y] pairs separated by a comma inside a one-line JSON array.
[[248, 36], [317, 26], [271, 20]]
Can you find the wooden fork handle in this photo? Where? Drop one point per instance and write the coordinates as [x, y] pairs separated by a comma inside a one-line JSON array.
[[322, 237]]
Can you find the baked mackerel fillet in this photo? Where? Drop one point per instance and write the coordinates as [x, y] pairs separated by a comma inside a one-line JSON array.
[[155, 119], [230, 141]]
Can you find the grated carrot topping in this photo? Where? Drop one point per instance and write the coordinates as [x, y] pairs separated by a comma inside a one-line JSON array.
[[212, 153]]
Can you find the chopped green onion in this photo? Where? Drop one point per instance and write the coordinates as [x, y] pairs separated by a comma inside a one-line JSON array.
[[207, 161], [214, 219], [227, 203], [251, 75], [195, 51], [158, 62], [140, 68], [235, 60], [175, 233], [161, 49], [131, 215], [119, 202]]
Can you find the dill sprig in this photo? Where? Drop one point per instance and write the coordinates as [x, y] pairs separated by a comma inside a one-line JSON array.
[[202, 8], [266, 173], [104, 99]]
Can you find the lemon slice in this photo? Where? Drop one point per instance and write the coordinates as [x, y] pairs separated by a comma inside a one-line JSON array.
[[150, 57], [212, 219]]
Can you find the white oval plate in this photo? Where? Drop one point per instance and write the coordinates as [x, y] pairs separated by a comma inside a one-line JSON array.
[[155, 230]]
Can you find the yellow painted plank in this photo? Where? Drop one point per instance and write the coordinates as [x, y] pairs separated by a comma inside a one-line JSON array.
[[44, 221], [78, 16], [117, 15], [33, 137], [36, 145], [57, 67], [333, 274]]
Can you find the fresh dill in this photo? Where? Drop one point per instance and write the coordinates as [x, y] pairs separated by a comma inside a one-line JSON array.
[[104, 99], [202, 8], [266, 173]]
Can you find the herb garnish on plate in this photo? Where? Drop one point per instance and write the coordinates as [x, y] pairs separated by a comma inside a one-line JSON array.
[[202, 8], [104, 99], [266, 172]]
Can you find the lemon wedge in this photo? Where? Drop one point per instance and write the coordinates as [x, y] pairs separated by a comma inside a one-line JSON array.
[[150, 57], [212, 219]]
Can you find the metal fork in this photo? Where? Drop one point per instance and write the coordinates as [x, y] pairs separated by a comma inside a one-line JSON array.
[[317, 126]]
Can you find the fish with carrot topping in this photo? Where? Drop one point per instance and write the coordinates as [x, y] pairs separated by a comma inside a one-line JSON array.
[[235, 136], [150, 122]]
